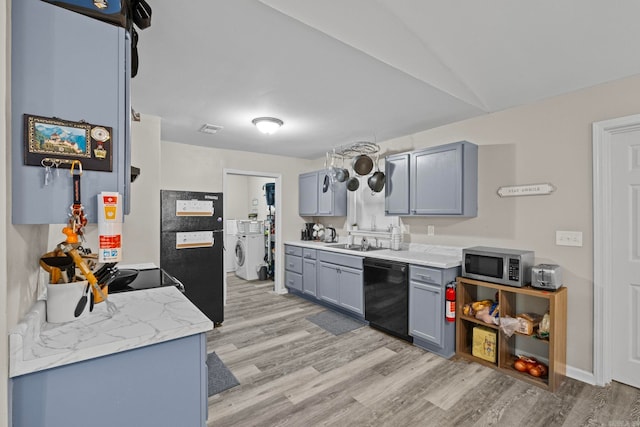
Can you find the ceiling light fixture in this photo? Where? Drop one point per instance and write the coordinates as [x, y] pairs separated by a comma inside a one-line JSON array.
[[267, 125]]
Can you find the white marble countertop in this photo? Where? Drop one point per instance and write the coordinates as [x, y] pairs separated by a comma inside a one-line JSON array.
[[144, 317], [426, 255]]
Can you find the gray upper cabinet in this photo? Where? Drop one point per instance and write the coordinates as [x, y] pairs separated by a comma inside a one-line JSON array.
[[71, 67], [317, 197], [308, 194], [444, 180], [436, 181], [396, 196]]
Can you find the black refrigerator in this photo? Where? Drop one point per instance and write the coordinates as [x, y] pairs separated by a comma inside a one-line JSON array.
[[191, 247]]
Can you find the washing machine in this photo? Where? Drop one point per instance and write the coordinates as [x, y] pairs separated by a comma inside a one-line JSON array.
[[249, 255]]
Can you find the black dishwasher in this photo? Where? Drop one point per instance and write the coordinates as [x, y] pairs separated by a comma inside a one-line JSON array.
[[386, 296]]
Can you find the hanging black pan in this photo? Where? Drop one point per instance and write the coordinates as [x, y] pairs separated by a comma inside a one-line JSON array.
[[326, 183], [353, 183], [362, 164], [377, 179]]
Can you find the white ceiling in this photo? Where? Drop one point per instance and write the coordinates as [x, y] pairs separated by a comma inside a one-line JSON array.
[[341, 71]]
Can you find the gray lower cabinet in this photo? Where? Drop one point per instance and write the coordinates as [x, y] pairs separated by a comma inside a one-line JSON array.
[[351, 290], [75, 68], [163, 384], [293, 267], [426, 309], [317, 197], [309, 271], [427, 325], [340, 281], [328, 282]]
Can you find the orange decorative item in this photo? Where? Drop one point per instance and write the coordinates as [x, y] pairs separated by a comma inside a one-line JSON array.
[[538, 371], [530, 365], [72, 236], [520, 365]]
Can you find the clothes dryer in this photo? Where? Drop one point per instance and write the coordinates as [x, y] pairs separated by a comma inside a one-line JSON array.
[[249, 252]]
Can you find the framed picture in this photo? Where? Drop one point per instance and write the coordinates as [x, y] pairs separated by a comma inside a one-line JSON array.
[[54, 142]]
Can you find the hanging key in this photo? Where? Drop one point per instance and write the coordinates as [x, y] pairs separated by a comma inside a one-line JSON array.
[[47, 171]]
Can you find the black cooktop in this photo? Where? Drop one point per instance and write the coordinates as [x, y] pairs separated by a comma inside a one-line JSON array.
[[133, 280]]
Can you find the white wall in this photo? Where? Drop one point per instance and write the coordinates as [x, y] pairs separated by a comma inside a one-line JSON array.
[[257, 201], [236, 202], [141, 229], [246, 196]]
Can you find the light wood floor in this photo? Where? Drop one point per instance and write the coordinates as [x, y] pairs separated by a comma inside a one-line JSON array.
[[294, 373]]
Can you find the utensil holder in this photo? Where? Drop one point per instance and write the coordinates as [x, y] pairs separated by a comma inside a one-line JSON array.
[[62, 300]]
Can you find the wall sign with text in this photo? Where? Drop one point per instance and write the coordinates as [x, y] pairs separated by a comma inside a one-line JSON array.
[[526, 190]]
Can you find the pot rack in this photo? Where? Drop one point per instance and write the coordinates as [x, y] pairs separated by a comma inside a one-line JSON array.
[[356, 149], [348, 152]]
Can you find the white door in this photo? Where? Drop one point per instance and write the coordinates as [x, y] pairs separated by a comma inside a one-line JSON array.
[[625, 289]]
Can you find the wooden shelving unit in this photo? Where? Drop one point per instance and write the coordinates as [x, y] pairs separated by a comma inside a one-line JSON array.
[[513, 301]]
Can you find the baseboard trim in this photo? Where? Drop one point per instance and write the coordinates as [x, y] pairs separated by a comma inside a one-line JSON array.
[[580, 375]]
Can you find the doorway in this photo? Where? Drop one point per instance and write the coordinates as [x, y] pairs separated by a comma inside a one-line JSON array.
[[616, 211], [228, 178]]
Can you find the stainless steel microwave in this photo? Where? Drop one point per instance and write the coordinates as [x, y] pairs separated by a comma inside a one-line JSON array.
[[510, 267]]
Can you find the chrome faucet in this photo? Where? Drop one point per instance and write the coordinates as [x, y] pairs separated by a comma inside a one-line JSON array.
[[364, 245]]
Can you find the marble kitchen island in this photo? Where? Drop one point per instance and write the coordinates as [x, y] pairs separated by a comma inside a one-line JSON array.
[[145, 365]]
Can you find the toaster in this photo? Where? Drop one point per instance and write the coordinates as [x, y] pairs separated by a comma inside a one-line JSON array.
[[546, 276]]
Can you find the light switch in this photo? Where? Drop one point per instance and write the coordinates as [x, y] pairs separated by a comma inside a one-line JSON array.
[[569, 238], [431, 230]]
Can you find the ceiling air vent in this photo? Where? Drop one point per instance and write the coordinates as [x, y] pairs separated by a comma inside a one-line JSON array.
[[208, 128]]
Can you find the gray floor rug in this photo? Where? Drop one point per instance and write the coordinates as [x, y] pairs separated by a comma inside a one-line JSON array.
[[220, 377], [335, 323]]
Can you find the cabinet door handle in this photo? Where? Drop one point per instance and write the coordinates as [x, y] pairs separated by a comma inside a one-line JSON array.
[[291, 265]]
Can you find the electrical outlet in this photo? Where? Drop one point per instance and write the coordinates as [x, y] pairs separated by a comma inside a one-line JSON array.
[[431, 230], [569, 238]]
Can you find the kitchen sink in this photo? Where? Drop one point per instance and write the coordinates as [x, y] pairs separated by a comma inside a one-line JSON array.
[[355, 248]]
